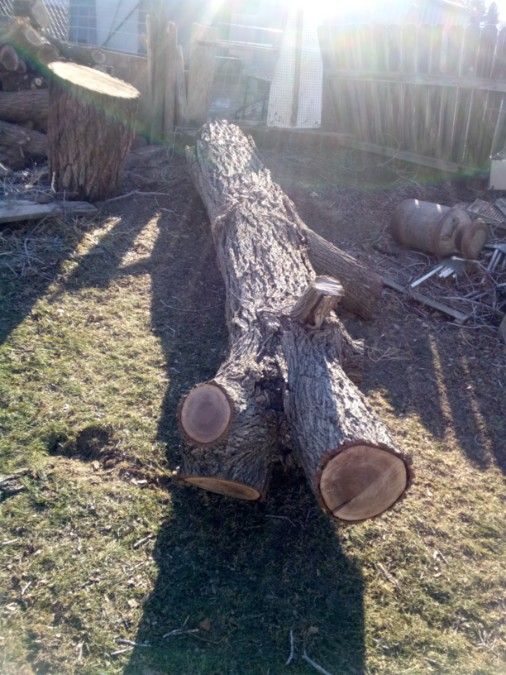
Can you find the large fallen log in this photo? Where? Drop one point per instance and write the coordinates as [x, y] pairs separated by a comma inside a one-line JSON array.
[[90, 129], [283, 380]]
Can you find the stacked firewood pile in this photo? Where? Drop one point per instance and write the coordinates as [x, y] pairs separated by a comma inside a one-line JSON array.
[[24, 53]]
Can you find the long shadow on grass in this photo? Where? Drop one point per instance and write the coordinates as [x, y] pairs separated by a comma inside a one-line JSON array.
[[30, 263], [248, 574]]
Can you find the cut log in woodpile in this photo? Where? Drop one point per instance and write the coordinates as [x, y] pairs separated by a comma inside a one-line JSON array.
[[90, 130], [26, 40], [25, 106], [18, 144], [284, 380]]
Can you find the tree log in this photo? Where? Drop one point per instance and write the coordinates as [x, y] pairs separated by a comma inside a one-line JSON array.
[[9, 59], [36, 49], [25, 106], [27, 141], [283, 370], [90, 130], [362, 287]]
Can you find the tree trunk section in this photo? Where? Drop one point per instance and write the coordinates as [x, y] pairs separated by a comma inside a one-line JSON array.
[[283, 371], [90, 130], [25, 106]]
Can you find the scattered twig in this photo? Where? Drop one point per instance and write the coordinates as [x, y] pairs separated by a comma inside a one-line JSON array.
[[132, 643], [389, 576], [139, 193], [292, 649], [180, 631], [121, 651], [143, 540], [268, 515], [315, 665]]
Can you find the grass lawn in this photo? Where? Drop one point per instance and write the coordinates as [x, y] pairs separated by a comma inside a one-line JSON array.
[[107, 565]]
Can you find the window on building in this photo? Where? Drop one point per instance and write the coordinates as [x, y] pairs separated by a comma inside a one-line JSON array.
[[83, 21]]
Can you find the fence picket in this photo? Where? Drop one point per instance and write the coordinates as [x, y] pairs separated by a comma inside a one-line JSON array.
[[428, 91]]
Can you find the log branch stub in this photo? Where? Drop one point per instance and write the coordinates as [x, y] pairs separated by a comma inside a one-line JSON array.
[[319, 299], [362, 286], [352, 463]]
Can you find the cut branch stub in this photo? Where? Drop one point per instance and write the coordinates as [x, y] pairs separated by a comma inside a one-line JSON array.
[[319, 299], [206, 413]]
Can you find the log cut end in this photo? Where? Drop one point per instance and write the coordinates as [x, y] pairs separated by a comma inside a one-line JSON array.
[[205, 415], [229, 488], [362, 482], [93, 80]]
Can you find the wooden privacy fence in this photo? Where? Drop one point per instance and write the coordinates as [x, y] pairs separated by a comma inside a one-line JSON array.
[[433, 95]]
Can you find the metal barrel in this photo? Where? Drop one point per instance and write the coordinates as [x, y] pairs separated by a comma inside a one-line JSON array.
[[437, 229]]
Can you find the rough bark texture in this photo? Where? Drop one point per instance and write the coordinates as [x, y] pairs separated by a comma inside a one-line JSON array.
[[328, 411], [90, 130], [269, 372], [362, 287], [25, 106]]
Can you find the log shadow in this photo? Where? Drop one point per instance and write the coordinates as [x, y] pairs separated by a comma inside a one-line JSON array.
[[244, 575], [453, 388], [31, 259]]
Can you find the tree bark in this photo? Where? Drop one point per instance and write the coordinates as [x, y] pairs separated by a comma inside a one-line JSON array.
[[90, 130], [282, 381], [25, 106], [362, 286]]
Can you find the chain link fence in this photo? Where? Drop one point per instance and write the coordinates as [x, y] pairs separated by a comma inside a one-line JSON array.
[[113, 24], [58, 11]]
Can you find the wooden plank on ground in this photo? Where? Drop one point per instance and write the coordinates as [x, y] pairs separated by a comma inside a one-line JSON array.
[[460, 317], [18, 210]]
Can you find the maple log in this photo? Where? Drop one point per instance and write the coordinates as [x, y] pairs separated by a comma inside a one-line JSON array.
[[90, 129], [284, 380]]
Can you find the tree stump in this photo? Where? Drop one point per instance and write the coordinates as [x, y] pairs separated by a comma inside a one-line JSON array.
[[283, 381], [90, 130]]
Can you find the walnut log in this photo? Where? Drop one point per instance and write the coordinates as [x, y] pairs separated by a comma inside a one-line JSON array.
[[286, 357], [90, 129]]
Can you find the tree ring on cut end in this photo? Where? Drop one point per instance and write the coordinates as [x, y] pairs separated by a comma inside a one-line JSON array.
[[206, 414], [221, 486], [362, 481]]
